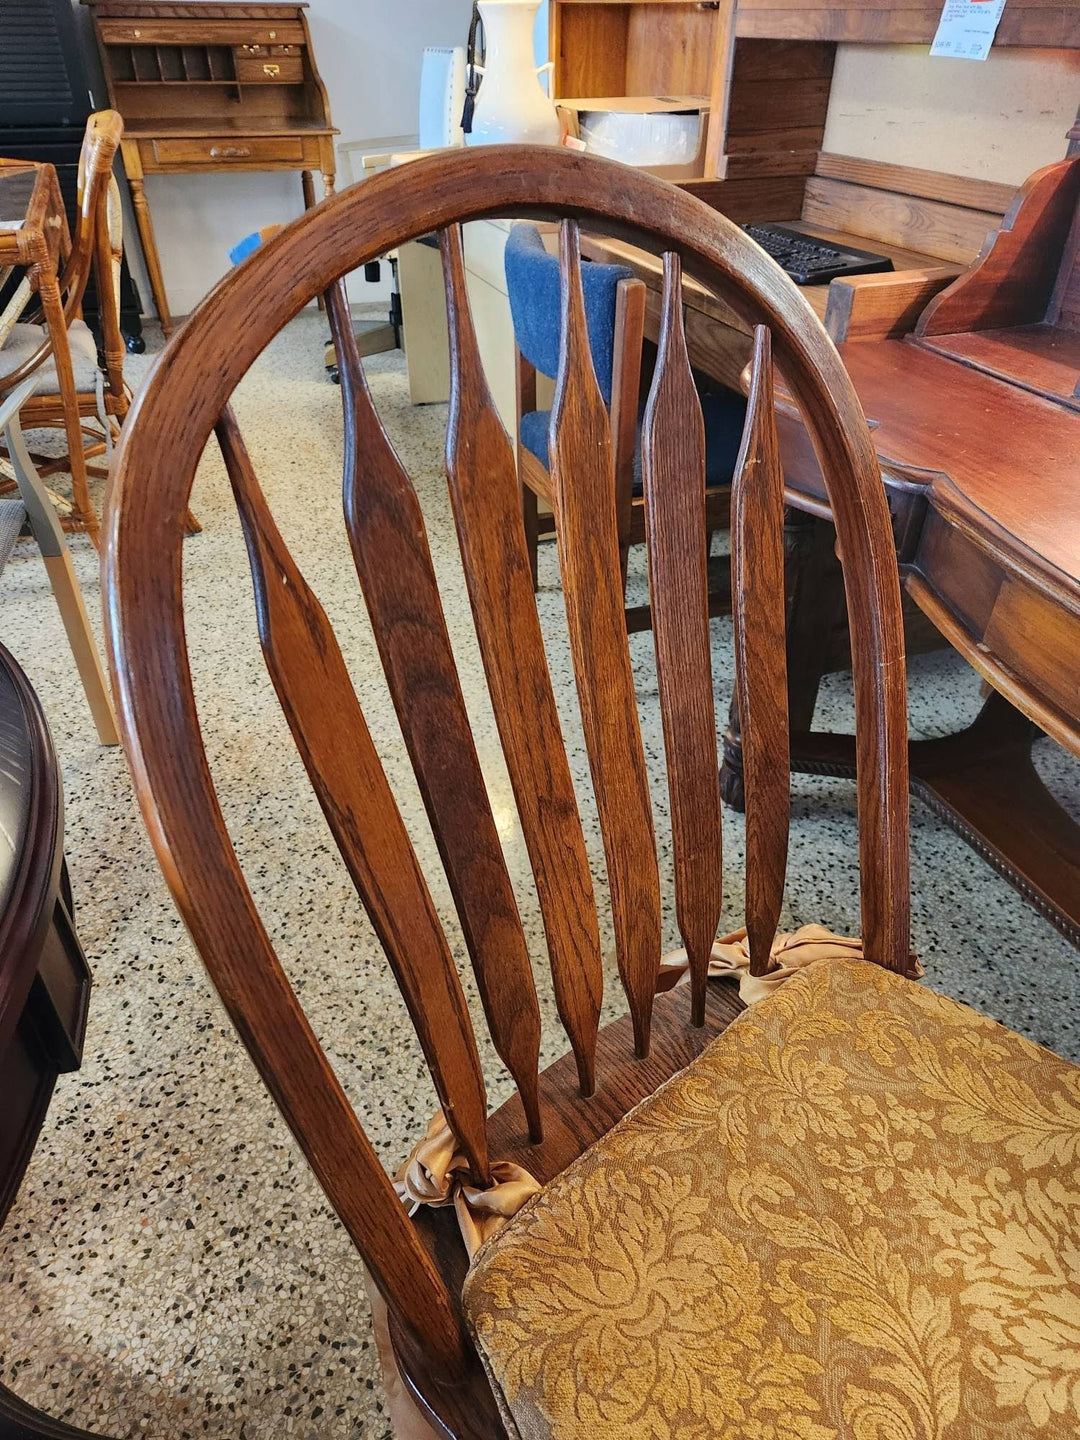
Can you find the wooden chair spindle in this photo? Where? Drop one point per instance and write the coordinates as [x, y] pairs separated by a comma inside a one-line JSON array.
[[331, 734], [673, 470], [401, 592], [757, 544], [484, 493], [583, 484]]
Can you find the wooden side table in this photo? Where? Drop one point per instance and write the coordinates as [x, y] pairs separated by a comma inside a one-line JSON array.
[[209, 88]]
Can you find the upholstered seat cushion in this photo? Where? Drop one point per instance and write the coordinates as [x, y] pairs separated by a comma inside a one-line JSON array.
[[12, 520], [856, 1215], [24, 340]]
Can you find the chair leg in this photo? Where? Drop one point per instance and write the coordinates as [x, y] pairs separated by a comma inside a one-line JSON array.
[[48, 533], [69, 599], [530, 515], [80, 486]]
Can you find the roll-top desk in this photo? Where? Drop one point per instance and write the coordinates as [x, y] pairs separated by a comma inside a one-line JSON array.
[[208, 87]]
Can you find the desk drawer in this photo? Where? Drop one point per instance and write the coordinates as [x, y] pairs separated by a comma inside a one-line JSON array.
[[269, 65], [230, 150], [194, 31]]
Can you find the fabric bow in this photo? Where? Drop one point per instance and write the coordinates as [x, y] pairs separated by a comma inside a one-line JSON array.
[[437, 1174], [730, 956]]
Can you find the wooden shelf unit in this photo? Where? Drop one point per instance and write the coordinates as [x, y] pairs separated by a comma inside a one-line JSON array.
[[763, 67]]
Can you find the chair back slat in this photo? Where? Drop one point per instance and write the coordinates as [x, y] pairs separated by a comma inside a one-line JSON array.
[[393, 562], [331, 734], [484, 494], [757, 548], [583, 487], [673, 471]]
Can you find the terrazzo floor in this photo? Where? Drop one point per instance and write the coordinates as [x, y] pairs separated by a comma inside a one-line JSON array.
[[170, 1268]]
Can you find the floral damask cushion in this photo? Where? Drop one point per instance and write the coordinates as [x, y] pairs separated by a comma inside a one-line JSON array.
[[856, 1215]]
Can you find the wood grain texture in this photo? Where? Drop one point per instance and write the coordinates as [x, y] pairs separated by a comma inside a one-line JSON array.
[[876, 307], [877, 22], [316, 694], [757, 552], [948, 232], [1012, 281], [484, 494], [673, 471], [393, 562], [625, 392], [961, 190], [583, 482]]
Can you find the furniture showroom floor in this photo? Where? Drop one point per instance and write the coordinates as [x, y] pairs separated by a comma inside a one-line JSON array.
[[170, 1268]]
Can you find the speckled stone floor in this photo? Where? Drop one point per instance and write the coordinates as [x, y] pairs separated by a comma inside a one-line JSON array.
[[170, 1268]]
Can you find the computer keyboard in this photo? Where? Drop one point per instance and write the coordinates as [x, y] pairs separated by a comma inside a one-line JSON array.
[[809, 261]]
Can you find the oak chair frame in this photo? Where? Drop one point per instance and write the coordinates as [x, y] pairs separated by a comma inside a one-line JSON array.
[[186, 398]]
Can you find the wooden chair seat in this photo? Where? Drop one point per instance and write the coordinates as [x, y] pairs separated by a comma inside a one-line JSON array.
[[851, 1215]]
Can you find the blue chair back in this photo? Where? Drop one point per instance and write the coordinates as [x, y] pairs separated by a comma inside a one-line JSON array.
[[532, 279]]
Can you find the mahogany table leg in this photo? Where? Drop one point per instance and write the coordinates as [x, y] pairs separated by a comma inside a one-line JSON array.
[[983, 783]]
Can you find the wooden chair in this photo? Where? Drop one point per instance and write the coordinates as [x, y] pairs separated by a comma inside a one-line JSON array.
[[70, 387], [34, 508], [615, 316], [699, 1267]]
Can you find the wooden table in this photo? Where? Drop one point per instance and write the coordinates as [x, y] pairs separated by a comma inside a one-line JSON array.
[[983, 480]]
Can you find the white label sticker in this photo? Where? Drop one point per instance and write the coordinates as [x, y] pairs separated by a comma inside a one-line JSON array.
[[966, 28]]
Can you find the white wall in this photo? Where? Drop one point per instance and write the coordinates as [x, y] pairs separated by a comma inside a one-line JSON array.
[[368, 53], [998, 119]]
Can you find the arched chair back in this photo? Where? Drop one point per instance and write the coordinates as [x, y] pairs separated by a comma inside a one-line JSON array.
[[187, 397]]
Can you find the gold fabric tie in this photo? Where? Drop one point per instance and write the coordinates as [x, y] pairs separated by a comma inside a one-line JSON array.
[[437, 1174], [790, 952]]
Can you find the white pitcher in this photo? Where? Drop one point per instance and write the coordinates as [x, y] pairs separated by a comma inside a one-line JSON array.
[[511, 104]]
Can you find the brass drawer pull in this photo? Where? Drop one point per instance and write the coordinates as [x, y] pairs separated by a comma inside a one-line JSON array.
[[229, 152], [272, 70]]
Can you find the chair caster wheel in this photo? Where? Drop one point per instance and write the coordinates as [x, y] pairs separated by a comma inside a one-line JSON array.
[[134, 344], [333, 374]]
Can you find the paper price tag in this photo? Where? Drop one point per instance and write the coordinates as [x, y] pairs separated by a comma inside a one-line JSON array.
[[966, 29]]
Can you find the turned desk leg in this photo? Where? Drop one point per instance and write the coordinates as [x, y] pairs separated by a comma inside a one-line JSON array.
[[150, 252], [307, 184]]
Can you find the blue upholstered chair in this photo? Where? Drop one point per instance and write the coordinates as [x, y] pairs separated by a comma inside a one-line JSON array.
[[615, 312]]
